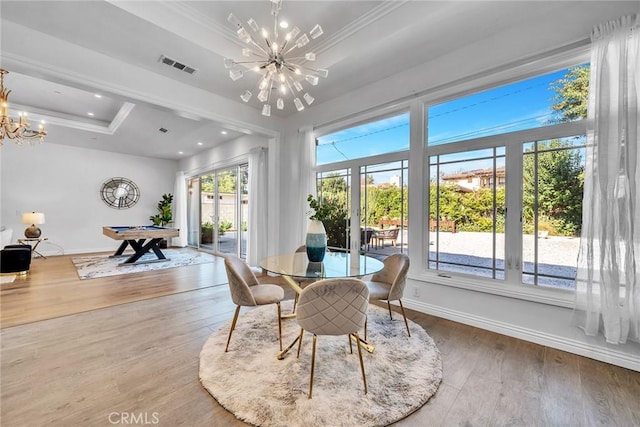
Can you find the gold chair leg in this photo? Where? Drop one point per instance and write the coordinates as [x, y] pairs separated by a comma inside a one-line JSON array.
[[350, 345], [313, 364], [295, 302], [300, 342], [364, 377], [233, 326], [389, 306], [279, 325], [366, 318], [405, 317]]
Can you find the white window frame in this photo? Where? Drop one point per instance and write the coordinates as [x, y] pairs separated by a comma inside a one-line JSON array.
[[513, 143], [418, 156]]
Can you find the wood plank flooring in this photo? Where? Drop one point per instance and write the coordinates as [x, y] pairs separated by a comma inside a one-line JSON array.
[[133, 348]]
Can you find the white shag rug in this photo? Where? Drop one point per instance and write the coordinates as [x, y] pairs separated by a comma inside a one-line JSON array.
[[250, 382], [90, 267]]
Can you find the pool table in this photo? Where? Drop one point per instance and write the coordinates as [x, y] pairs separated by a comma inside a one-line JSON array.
[[142, 239]]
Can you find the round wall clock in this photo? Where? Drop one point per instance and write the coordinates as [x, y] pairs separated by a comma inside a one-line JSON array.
[[119, 193]]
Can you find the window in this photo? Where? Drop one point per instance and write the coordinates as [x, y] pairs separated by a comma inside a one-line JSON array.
[[383, 136], [364, 169], [466, 222], [499, 208], [552, 210]]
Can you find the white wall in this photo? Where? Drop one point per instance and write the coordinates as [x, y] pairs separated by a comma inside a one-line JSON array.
[[64, 183], [222, 155], [543, 324]]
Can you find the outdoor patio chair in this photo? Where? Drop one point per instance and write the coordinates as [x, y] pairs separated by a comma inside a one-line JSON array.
[[389, 234]]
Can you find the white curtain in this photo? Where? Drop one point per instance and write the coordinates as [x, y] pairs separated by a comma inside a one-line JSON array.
[[180, 207], [257, 224], [608, 277], [307, 181]]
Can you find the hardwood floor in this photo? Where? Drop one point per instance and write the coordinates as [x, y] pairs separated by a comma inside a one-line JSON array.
[[132, 350]]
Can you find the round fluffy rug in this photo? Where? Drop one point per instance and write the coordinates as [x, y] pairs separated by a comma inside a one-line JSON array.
[[250, 382]]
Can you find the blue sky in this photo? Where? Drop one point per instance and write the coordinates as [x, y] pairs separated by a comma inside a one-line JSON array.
[[517, 106]]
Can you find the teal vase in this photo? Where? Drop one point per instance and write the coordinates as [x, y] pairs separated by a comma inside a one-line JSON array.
[[316, 241]]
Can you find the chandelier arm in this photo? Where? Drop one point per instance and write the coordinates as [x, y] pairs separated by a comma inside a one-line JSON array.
[[291, 48], [256, 44], [315, 70], [287, 80]]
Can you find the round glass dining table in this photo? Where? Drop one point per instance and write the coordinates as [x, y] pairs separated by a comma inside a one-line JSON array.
[[334, 265]]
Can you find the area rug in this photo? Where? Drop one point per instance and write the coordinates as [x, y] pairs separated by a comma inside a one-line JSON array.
[[90, 267], [249, 381]]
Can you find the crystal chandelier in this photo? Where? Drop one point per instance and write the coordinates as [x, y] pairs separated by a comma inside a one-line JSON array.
[[277, 58], [20, 131]]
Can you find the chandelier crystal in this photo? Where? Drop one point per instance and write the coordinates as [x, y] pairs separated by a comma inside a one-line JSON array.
[[278, 58], [20, 131]]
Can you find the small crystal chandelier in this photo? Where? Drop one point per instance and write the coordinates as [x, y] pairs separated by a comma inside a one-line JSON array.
[[19, 132], [277, 59]]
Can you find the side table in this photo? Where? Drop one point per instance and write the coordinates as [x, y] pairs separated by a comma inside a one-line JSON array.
[[30, 241]]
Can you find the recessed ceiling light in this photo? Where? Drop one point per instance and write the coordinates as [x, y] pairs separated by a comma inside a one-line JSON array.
[[199, 142], [97, 95], [90, 114], [180, 152], [224, 132], [284, 24]]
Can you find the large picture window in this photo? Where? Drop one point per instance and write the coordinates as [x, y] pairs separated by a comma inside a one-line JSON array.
[[505, 181]]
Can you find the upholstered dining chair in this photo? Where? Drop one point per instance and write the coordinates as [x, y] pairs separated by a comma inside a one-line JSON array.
[[246, 291], [333, 307], [388, 284]]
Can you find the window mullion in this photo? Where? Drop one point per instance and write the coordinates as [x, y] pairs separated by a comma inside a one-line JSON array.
[[513, 226]]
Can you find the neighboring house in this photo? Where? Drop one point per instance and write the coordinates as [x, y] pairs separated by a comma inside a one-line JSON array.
[[476, 179]]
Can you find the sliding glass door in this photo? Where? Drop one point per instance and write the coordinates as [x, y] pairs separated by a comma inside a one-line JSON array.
[[220, 217]]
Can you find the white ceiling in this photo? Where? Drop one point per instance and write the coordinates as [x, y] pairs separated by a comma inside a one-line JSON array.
[[363, 42]]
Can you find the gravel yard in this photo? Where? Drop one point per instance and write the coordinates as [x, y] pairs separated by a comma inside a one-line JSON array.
[[557, 255]]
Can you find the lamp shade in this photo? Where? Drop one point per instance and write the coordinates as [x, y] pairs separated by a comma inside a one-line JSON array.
[[33, 218]]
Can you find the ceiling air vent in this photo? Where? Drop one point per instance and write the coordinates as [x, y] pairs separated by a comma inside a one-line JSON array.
[[175, 64]]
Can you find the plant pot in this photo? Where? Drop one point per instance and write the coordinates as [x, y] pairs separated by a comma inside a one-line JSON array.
[[316, 241]]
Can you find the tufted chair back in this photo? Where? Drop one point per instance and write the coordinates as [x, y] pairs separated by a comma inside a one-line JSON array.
[[333, 306]]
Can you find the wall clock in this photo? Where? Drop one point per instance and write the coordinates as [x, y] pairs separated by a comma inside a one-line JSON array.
[[119, 193]]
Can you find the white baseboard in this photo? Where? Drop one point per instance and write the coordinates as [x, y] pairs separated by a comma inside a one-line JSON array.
[[601, 353]]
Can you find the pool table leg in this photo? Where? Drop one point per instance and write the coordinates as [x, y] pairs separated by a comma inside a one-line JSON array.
[[141, 249]]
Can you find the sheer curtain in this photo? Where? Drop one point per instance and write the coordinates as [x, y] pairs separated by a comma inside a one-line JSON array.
[[307, 180], [608, 276], [180, 200], [257, 229]]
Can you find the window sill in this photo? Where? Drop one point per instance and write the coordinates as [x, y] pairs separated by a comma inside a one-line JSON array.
[[556, 297]]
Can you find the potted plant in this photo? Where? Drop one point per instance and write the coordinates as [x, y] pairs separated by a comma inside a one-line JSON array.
[[206, 232], [164, 215]]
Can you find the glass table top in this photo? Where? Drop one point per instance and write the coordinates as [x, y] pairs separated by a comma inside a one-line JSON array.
[[334, 265]]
